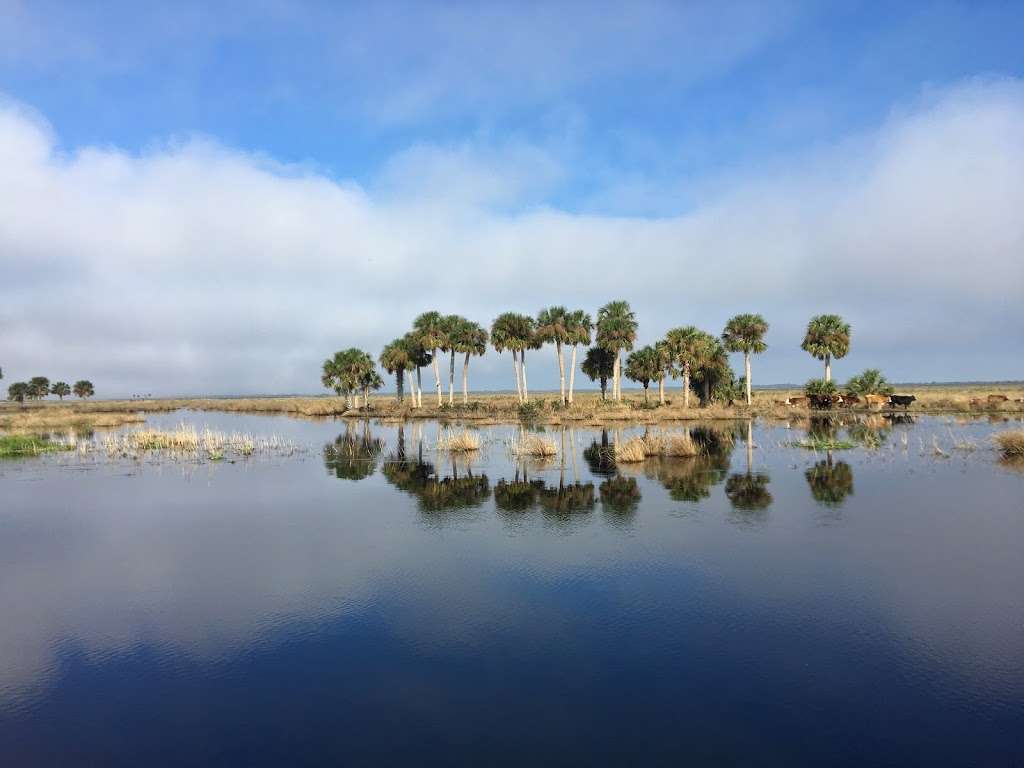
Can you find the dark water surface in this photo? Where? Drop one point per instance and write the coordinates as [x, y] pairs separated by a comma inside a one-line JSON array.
[[368, 601]]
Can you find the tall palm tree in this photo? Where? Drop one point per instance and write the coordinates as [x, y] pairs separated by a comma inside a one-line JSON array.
[[469, 339], [827, 338], [420, 357], [453, 327], [712, 365], [580, 325], [332, 377], [432, 328], [395, 359], [517, 333], [686, 344], [553, 326], [666, 363], [616, 331], [745, 333]]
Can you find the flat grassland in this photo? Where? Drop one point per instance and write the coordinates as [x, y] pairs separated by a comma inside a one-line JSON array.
[[495, 407]]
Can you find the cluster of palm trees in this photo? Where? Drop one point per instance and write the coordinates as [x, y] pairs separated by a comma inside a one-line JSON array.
[[38, 387], [698, 357]]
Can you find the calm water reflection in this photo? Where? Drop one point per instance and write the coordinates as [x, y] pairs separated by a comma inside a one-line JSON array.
[[373, 600]]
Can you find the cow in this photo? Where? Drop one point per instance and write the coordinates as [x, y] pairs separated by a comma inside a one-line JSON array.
[[801, 400], [996, 399], [880, 400], [976, 402], [825, 401], [904, 400], [850, 399]]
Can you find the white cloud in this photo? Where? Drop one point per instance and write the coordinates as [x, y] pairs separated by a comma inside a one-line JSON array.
[[193, 268]]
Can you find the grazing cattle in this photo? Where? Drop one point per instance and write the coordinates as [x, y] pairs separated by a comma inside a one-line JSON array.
[[880, 400], [850, 399], [997, 399], [801, 400], [976, 402], [903, 400]]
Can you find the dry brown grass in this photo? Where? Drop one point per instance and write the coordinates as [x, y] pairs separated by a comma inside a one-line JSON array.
[[588, 407], [534, 445], [681, 446], [1011, 443], [459, 442], [632, 451], [36, 421]]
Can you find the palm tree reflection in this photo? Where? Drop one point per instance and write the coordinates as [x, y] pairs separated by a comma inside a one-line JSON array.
[[830, 483], [353, 454]]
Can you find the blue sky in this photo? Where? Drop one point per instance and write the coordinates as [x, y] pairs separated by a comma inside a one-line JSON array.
[[359, 142]]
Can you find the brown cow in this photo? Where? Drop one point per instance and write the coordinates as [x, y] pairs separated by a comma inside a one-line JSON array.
[[800, 400], [997, 399], [880, 400], [850, 399]]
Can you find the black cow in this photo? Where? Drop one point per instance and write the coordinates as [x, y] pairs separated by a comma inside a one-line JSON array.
[[904, 400]]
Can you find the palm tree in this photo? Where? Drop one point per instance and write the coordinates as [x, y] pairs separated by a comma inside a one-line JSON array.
[[419, 357], [453, 327], [644, 366], [745, 333], [517, 333], [395, 359], [60, 389], [553, 326], [599, 365], [432, 329], [666, 363], [83, 389], [333, 377], [686, 345], [712, 365], [580, 325], [616, 331], [827, 337], [469, 339]]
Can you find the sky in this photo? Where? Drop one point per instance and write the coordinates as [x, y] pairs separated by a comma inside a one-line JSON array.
[[212, 198]]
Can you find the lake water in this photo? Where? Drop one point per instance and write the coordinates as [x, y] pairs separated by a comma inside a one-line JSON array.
[[366, 601]]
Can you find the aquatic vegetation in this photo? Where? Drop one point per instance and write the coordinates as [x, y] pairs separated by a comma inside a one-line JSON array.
[[823, 443], [533, 445], [186, 440], [680, 446], [31, 445], [631, 452], [459, 442], [1010, 443]]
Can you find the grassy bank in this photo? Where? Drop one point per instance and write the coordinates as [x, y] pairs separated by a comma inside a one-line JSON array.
[[487, 407]]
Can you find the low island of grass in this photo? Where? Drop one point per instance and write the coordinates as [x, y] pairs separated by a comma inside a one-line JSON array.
[[12, 446]]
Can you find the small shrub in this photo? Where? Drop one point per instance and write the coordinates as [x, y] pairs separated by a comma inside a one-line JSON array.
[[529, 411], [819, 387], [1011, 443]]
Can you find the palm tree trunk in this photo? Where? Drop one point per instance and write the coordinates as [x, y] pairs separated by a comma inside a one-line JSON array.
[[572, 373], [686, 385], [604, 388], [661, 388], [366, 397], [746, 368], [828, 368], [419, 387], [451, 379], [437, 377], [399, 377], [646, 399], [615, 378], [707, 389], [561, 370], [465, 380], [412, 386], [515, 368], [522, 368]]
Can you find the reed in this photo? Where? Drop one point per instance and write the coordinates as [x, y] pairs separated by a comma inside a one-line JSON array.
[[14, 446], [680, 445], [631, 452], [534, 445]]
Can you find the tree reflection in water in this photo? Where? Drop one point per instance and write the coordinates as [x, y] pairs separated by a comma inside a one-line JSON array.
[[830, 483], [433, 492], [748, 492], [691, 478], [620, 497], [353, 454], [600, 457]]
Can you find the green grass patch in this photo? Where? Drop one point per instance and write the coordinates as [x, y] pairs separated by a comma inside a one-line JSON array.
[[824, 444], [28, 445]]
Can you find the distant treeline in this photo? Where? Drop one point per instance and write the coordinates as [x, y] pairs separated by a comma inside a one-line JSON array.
[[39, 387]]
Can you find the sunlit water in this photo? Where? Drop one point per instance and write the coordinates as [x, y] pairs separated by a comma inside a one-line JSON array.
[[367, 600]]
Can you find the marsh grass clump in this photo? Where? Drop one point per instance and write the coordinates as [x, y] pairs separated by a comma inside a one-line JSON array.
[[823, 443], [13, 446], [187, 440], [680, 446], [1010, 443], [459, 442], [534, 445], [632, 451]]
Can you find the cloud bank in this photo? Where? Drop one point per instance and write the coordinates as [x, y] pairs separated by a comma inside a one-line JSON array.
[[195, 268]]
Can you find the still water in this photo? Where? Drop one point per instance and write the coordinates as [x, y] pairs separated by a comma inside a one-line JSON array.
[[367, 600]]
